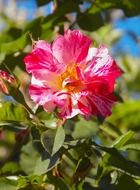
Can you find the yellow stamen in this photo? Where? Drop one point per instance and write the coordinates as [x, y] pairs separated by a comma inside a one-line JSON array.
[[69, 79]]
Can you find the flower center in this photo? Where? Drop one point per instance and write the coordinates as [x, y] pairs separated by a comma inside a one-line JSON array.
[[70, 72], [69, 79]]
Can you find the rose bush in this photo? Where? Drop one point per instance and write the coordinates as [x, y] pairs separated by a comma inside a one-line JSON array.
[[62, 126]]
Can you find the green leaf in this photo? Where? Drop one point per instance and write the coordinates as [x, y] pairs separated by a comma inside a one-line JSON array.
[[41, 166], [127, 182], [34, 27], [49, 119], [2, 57], [110, 129], [12, 61], [36, 179], [14, 32], [114, 159], [102, 5], [42, 115], [42, 2], [122, 140], [83, 128], [6, 184], [5, 37], [59, 183], [14, 46], [82, 168], [126, 115], [53, 139], [10, 167], [66, 7], [58, 16], [28, 158], [131, 8], [89, 21], [34, 163], [118, 162], [10, 112], [22, 182], [45, 163], [133, 146]]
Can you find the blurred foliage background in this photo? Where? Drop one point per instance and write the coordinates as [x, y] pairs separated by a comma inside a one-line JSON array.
[[94, 154]]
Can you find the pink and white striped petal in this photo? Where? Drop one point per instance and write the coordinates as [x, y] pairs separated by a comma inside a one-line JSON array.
[[91, 104], [42, 59], [71, 48]]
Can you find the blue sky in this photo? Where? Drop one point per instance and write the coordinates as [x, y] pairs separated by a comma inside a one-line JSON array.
[[130, 40], [31, 6]]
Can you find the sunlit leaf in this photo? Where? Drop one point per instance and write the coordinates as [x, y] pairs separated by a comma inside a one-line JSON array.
[[131, 146], [28, 158], [7, 184], [53, 139], [10, 168], [126, 115], [120, 141], [84, 129], [14, 46], [110, 129], [11, 112], [34, 163], [45, 163]]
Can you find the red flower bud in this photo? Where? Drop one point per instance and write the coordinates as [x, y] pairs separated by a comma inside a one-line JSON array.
[[5, 81]]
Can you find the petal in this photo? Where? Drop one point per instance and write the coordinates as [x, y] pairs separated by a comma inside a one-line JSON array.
[[103, 103], [96, 84], [43, 77], [103, 67], [99, 85], [102, 64], [67, 106], [97, 105], [71, 48], [41, 58], [41, 95], [84, 108], [49, 106], [50, 100], [42, 44], [91, 53]]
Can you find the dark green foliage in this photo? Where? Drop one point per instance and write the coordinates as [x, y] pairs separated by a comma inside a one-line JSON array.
[[42, 2], [89, 21]]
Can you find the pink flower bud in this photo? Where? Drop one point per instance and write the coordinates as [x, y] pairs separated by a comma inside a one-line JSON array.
[[5, 81]]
